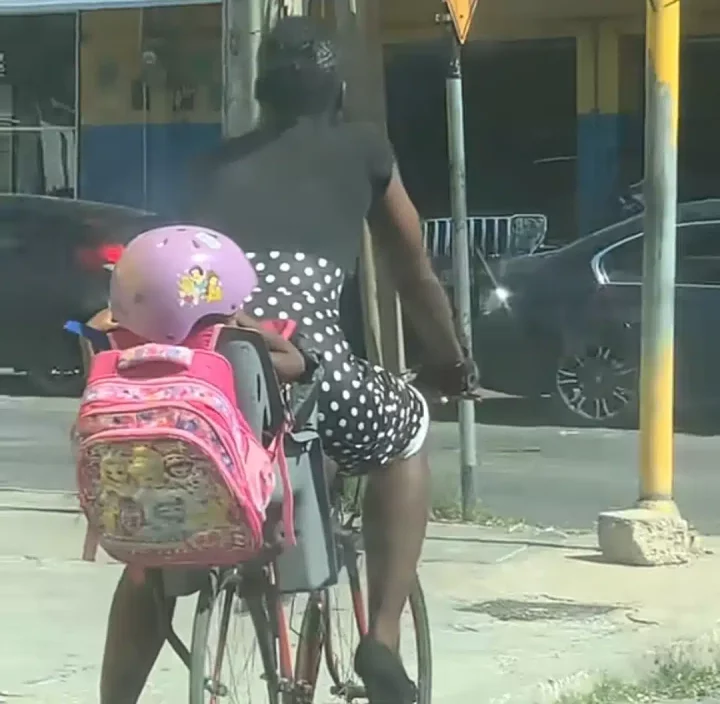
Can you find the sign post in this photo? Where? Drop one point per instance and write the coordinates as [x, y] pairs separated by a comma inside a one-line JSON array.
[[461, 13]]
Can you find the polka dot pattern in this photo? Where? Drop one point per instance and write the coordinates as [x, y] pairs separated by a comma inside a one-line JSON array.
[[367, 415]]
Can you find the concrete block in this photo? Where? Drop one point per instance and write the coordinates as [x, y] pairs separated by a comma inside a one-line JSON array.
[[643, 537]]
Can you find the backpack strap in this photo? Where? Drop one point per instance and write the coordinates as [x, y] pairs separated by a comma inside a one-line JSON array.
[[277, 452]]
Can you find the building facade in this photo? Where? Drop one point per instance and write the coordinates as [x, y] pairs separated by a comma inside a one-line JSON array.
[[555, 101], [111, 99], [107, 101]]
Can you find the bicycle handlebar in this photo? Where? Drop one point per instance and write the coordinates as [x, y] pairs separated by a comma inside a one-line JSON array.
[[433, 396]]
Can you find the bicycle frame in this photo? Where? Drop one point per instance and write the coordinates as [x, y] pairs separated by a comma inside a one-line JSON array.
[[255, 583], [316, 631]]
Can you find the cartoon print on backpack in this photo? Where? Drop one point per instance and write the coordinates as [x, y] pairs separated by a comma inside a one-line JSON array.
[[115, 484], [147, 468], [110, 512], [207, 502], [162, 492], [166, 517], [213, 509], [114, 476], [178, 466], [130, 518]]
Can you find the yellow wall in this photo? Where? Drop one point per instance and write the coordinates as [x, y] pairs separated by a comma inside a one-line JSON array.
[[113, 38], [112, 42], [414, 20]]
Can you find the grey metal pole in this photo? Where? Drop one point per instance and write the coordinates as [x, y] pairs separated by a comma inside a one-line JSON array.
[[461, 266], [242, 28]]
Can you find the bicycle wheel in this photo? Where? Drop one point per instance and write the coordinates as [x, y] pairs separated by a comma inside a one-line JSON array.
[[213, 677], [335, 620]]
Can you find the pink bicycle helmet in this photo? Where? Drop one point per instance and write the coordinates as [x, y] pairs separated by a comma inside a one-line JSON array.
[[169, 278]]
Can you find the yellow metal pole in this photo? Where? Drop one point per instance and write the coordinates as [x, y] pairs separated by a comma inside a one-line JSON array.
[[658, 292]]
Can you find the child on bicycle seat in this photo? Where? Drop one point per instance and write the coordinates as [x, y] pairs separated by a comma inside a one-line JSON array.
[[173, 282]]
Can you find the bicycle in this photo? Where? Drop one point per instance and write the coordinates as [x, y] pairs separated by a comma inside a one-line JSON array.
[[287, 682], [253, 588]]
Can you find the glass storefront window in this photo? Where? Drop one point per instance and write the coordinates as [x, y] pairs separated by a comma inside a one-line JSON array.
[[38, 86]]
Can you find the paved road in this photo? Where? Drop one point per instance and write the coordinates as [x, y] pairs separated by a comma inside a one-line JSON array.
[[548, 476]]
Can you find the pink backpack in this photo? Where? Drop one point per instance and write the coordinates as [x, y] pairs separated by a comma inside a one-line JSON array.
[[169, 471]]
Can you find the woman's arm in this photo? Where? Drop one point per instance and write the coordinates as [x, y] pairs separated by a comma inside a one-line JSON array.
[[289, 363], [396, 229], [102, 322], [397, 233]]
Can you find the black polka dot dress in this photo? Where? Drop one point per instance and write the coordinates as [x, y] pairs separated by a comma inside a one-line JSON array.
[[367, 415]]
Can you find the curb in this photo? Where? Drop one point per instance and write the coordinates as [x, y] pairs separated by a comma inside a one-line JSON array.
[[46, 501], [63, 502]]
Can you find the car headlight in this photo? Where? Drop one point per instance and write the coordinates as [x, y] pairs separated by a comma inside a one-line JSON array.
[[498, 298]]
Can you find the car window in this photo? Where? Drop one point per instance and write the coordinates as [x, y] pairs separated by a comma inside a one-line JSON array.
[[698, 260], [623, 264], [698, 257]]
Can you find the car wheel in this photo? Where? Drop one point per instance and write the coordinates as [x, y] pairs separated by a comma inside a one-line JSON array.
[[596, 385], [57, 382]]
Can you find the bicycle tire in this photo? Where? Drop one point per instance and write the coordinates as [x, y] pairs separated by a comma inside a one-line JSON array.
[[423, 645], [208, 600], [423, 642], [309, 650], [315, 630]]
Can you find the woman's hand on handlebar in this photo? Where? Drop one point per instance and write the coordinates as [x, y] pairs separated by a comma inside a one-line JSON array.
[[456, 381]]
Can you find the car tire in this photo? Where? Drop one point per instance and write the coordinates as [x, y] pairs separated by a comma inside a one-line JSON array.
[[61, 375], [56, 383], [596, 384]]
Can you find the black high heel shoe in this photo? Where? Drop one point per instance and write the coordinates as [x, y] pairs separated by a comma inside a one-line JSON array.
[[383, 674]]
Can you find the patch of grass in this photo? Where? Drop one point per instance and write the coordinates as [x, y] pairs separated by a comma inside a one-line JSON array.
[[447, 509], [450, 511], [673, 677]]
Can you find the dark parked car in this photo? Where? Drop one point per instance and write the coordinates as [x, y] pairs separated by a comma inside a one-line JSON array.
[[567, 322], [55, 259]]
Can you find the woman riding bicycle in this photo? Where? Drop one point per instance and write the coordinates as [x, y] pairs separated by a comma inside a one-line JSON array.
[[295, 193]]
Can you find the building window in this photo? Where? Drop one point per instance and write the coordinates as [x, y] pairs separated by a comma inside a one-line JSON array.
[[38, 79]]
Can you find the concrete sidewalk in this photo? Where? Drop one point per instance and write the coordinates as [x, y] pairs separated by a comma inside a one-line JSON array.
[[517, 616]]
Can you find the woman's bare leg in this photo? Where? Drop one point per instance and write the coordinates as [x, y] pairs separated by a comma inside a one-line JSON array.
[[395, 516], [134, 639]]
